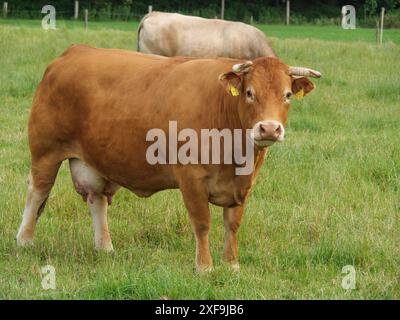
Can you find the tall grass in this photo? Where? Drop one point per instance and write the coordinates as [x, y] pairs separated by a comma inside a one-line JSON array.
[[325, 198]]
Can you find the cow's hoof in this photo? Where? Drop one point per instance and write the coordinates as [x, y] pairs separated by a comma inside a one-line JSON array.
[[105, 248], [235, 266], [204, 269], [24, 242]]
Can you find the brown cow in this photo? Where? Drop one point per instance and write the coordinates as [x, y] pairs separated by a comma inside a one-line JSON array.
[[96, 106]]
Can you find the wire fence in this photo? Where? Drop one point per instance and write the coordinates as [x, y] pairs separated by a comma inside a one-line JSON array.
[[266, 15], [93, 15], [237, 12], [137, 15]]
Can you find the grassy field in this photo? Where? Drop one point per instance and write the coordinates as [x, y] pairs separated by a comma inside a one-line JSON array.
[[331, 33], [327, 197]]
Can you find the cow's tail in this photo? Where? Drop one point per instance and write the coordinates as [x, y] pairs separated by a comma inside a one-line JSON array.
[[140, 29]]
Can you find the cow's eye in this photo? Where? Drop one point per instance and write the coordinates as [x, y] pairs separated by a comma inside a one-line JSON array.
[[250, 94], [288, 95]]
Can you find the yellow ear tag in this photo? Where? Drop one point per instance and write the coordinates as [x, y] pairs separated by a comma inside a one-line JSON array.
[[300, 94], [234, 91]]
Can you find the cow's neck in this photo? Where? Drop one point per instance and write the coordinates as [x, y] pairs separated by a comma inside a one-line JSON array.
[[227, 113], [228, 117]]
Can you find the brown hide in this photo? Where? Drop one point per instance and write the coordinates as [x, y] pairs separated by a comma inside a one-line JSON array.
[[98, 104]]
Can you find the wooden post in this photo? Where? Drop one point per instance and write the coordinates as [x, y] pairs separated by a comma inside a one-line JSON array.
[[5, 9], [287, 12], [150, 8], [86, 14], [381, 31], [76, 11], [222, 9], [251, 20]]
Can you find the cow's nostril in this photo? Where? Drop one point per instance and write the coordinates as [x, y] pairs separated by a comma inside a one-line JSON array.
[[270, 130]]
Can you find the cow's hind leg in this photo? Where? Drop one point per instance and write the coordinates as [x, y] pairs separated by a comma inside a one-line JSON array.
[[41, 179], [97, 192]]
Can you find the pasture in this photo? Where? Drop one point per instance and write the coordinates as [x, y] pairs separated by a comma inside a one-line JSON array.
[[327, 197]]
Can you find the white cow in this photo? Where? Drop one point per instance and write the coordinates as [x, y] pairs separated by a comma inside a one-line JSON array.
[[173, 34]]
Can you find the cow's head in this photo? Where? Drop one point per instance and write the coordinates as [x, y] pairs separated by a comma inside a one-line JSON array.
[[264, 88]]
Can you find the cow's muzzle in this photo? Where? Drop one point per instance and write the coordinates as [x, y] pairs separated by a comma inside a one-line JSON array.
[[266, 133]]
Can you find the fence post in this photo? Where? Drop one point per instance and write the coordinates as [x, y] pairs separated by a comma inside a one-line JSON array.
[[222, 9], [5, 9], [251, 20], [150, 8], [86, 14], [382, 17], [76, 11], [287, 12]]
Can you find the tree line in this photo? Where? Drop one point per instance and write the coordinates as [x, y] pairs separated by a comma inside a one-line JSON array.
[[264, 11]]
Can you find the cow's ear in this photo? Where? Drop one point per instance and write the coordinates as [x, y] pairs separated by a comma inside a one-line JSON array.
[[232, 83], [302, 86]]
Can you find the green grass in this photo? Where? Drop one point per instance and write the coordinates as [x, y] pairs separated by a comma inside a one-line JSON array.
[[331, 33], [72, 24], [325, 198]]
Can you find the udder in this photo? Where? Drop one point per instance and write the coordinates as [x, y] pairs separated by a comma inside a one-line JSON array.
[[89, 183]]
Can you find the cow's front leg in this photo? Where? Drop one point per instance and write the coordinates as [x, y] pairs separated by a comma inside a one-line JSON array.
[[232, 221], [196, 201]]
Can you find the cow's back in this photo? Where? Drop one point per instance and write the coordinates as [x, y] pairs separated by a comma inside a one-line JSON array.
[[172, 34]]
